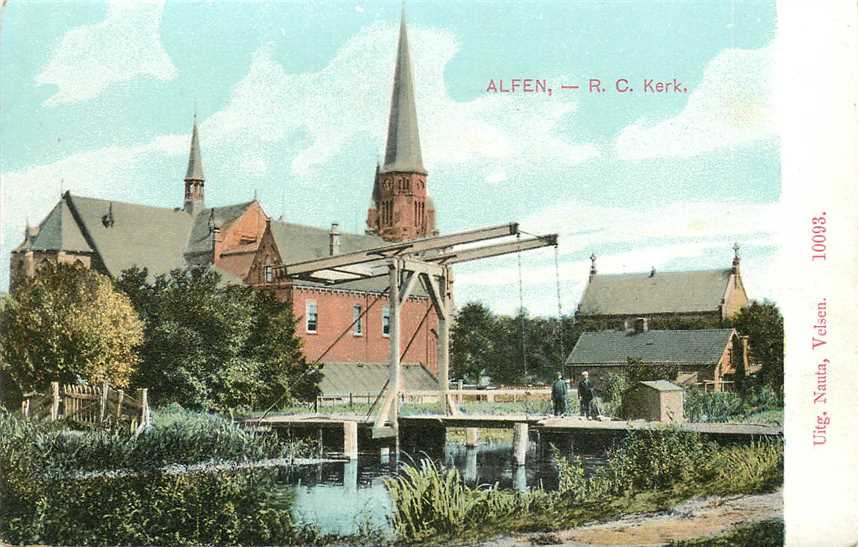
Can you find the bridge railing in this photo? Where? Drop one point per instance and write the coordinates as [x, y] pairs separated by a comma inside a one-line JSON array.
[[432, 396]]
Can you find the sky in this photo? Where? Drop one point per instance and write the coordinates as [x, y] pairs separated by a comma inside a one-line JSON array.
[[292, 99]]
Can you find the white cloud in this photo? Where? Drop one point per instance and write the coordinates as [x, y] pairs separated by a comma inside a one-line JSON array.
[[678, 235], [733, 104], [269, 104], [122, 47]]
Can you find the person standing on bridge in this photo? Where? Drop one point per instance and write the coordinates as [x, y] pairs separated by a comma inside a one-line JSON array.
[[585, 395], [558, 395]]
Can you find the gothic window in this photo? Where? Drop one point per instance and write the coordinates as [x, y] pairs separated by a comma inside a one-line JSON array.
[[268, 273], [312, 317], [385, 322], [358, 321]]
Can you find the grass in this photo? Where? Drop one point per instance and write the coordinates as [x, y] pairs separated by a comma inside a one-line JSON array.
[[43, 498], [773, 416], [648, 471]]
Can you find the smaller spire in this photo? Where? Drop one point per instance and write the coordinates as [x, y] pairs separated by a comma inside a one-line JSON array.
[[593, 264], [195, 162]]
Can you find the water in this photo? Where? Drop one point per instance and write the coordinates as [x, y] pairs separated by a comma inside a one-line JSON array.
[[342, 497]]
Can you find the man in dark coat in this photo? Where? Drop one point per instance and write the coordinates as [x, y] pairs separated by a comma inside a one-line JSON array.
[[585, 395], [558, 395]]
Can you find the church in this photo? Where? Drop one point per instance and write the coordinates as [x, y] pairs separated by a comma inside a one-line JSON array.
[[245, 245]]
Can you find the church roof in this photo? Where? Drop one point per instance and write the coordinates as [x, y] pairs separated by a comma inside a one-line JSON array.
[[654, 293], [58, 232], [195, 160], [615, 347], [201, 239], [403, 139], [162, 239], [140, 235]]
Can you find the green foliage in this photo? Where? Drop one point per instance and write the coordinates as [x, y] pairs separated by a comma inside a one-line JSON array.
[[702, 406], [47, 495], [648, 460], [430, 500], [763, 323], [756, 467], [209, 346], [67, 324], [484, 341], [431, 503], [614, 387]]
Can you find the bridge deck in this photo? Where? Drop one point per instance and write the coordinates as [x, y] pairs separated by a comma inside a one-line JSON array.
[[545, 423]]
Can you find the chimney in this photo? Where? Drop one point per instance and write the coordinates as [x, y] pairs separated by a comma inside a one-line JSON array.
[[641, 325], [334, 239], [652, 272]]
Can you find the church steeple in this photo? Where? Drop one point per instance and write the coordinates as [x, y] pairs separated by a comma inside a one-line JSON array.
[[195, 182], [400, 207], [403, 138]]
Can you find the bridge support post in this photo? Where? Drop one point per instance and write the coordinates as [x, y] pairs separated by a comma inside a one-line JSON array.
[[519, 478], [519, 443], [350, 440], [472, 436]]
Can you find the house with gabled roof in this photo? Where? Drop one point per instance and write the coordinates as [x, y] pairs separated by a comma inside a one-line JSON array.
[[706, 358], [346, 324], [708, 295]]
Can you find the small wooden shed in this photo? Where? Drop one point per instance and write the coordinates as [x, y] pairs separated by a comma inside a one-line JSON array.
[[657, 401]]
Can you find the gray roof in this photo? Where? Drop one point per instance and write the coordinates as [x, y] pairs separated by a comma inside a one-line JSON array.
[[663, 292], [363, 378], [154, 237], [297, 242], [661, 385], [613, 347], [195, 160], [201, 239], [162, 239], [403, 139], [58, 232]]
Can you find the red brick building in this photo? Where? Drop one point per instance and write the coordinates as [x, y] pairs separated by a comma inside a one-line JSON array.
[[244, 244]]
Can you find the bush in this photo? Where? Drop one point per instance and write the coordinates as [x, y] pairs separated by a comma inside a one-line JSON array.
[[125, 498], [649, 460]]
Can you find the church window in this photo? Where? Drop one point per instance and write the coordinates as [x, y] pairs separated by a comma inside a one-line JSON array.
[[268, 272], [312, 315], [385, 322], [358, 320]]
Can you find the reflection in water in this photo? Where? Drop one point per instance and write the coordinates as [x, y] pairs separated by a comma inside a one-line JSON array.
[[342, 497]]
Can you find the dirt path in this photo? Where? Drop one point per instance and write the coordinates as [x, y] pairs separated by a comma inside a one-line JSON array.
[[696, 518]]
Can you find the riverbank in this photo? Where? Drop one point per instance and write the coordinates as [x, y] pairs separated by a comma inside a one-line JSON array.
[[650, 471], [712, 518]]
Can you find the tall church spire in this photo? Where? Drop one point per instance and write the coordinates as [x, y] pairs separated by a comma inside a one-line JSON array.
[[403, 138], [194, 180], [401, 209]]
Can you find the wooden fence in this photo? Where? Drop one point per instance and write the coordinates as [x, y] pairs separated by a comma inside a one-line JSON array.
[[89, 405]]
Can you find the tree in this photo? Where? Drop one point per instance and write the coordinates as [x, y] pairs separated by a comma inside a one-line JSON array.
[[763, 323], [69, 325], [472, 341], [216, 347]]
